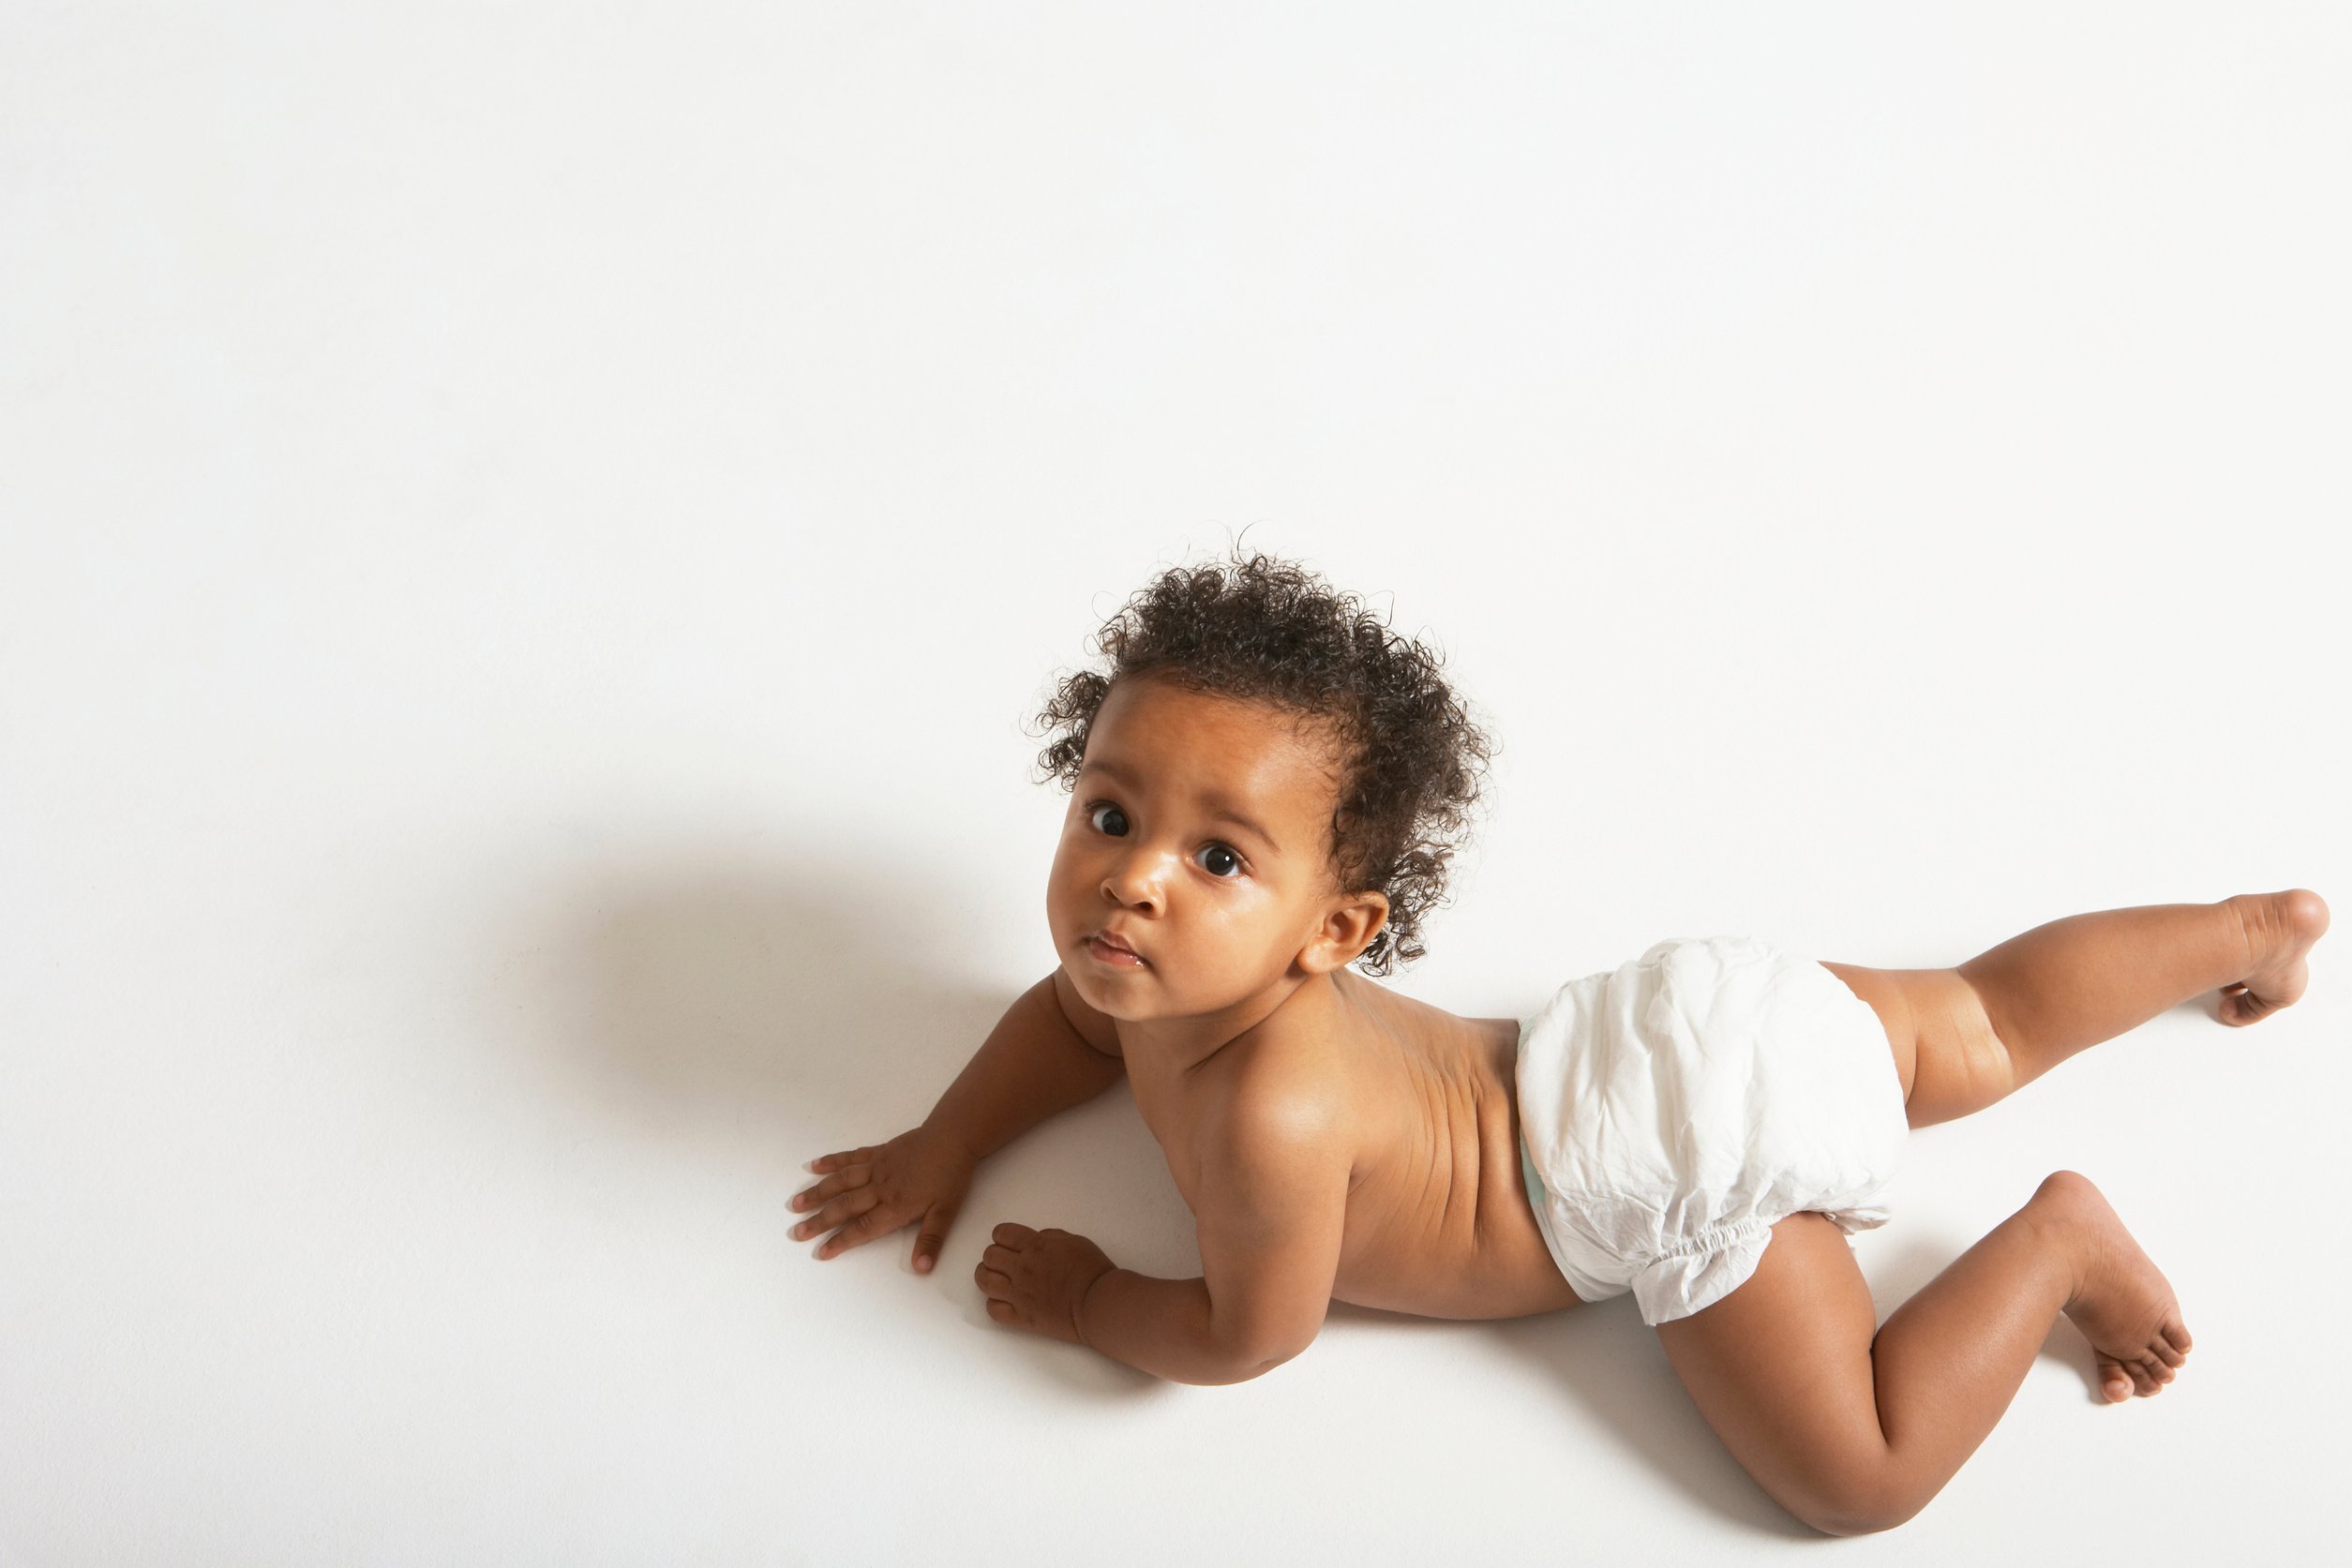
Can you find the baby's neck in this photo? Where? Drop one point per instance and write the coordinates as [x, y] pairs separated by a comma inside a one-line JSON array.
[[1181, 1047]]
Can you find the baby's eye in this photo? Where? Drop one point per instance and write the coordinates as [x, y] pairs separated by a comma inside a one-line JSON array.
[[1095, 811], [1220, 850]]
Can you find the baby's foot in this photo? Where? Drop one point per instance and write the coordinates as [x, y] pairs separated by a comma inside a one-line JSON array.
[[2280, 929], [2121, 1304]]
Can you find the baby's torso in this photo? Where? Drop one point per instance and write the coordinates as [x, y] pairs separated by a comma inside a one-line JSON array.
[[1438, 1219]]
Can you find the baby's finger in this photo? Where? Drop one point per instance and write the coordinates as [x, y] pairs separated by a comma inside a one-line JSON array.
[[875, 1221], [845, 1207], [933, 1235], [826, 1162], [840, 1181]]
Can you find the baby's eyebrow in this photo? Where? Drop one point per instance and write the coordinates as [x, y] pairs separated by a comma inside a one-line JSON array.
[[1220, 808]]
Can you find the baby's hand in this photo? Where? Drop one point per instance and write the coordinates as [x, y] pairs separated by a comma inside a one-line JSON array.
[[1035, 1279], [916, 1175]]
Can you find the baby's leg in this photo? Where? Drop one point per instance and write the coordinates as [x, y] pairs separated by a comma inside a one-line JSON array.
[[1966, 1036], [1852, 1432]]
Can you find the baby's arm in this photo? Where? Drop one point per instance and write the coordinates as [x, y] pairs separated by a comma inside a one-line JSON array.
[[1048, 1053], [1272, 1212], [1042, 1058]]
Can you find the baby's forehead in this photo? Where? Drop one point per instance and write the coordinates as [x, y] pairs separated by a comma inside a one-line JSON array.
[[1231, 737], [1273, 746]]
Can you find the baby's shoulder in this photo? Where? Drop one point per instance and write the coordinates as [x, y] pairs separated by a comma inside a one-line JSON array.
[[1297, 1076]]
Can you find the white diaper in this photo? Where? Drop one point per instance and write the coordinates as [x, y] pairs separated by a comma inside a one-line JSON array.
[[1671, 1110]]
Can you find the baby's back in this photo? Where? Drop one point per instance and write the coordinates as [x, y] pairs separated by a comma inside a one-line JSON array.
[[1438, 1219]]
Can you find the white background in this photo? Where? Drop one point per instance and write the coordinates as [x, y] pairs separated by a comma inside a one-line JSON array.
[[528, 536]]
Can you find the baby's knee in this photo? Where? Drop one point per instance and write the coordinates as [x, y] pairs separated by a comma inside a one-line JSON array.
[[1858, 1502]]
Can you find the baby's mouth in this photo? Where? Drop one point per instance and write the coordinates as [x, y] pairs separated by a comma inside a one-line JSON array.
[[1115, 957]]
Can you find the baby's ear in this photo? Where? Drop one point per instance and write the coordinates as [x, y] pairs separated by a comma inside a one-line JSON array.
[[1352, 927]]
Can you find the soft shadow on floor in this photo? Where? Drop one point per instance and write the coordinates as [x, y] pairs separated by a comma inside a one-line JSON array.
[[1604, 1358], [765, 1006], [763, 997]]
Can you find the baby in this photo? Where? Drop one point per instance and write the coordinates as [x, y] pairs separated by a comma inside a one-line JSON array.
[[1263, 788]]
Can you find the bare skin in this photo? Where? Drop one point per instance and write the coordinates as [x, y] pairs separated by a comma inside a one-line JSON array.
[[1439, 1223], [1850, 1426], [1241, 996]]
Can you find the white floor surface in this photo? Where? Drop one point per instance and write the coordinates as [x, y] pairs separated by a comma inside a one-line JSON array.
[[528, 536]]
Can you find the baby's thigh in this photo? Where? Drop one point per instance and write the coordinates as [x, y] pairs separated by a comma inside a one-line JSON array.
[[1781, 1369], [1949, 1059]]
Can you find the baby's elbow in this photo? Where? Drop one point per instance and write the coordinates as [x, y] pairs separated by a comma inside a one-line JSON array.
[[1256, 1364], [1244, 1372]]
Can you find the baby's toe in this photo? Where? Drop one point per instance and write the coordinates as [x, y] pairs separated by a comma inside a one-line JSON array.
[[2177, 1337], [2115, 1384]]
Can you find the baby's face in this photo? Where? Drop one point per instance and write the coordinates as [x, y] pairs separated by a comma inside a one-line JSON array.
[[1198, 832]]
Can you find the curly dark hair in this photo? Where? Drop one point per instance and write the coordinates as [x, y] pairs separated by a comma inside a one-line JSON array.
[[1270, 632]]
